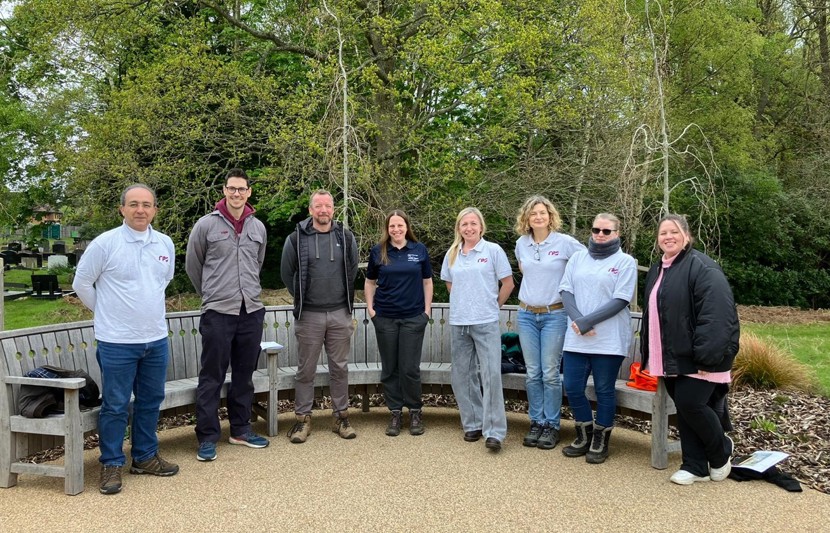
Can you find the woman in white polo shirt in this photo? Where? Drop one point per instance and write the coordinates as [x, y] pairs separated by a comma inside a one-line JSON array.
[[542, 254], [596, 289], [473, 270]]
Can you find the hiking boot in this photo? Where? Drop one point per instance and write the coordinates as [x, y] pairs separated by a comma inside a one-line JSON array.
[[155, 466], [207, 451], [549, 438], [110, 480], [301, 429], [394, 427], [598, 451], [532, 437], [416, 424], [580, 445], [251, 440], [342, 426]]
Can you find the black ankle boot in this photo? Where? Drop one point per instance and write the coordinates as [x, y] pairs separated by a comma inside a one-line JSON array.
[[598, 451], [580, 445]]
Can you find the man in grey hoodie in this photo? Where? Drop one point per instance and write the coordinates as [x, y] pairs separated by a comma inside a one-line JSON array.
[[319, 266], [225, 253]]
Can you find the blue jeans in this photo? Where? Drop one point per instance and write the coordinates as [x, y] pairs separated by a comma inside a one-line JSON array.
[[141, 370], [476, 378], [542, 336], [578, 366]]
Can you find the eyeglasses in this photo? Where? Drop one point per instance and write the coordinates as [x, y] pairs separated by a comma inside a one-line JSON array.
[[604, 231], [536, 251], [240, 190], [143, 205]]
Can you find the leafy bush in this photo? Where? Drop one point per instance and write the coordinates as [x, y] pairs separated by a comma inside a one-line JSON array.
[[764, 365]]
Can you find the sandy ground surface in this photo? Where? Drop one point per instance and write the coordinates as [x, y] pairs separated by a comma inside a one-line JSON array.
[[435, 482]]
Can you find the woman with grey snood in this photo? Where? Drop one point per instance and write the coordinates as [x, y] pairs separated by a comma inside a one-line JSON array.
[[596, 289]]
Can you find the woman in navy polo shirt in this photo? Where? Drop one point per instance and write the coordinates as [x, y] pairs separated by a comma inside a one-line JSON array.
[[398, 294]]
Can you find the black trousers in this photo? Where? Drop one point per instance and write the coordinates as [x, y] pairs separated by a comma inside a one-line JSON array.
[[227, 340], [700, 418], [399, 342]]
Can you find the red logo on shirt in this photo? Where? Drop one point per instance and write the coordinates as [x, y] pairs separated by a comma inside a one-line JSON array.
[[614, 271], [164, 259], [482, 260]]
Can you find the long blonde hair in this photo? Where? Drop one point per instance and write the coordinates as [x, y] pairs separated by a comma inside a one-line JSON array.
[[456, 242], [522, 226]]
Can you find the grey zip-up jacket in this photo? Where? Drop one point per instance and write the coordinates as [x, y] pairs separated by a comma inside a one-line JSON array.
[[224, 267], [294, 269]]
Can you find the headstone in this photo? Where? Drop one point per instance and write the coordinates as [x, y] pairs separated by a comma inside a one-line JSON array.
[[59, 247], [29, 262], [57, 261]]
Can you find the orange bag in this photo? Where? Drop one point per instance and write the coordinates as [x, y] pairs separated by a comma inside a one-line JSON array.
[[641, 379]]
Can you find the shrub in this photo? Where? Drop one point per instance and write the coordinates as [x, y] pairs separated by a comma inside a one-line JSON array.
[[764, 365]]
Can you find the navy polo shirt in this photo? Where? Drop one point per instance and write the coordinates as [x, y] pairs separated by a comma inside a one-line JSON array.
[[400, 284]]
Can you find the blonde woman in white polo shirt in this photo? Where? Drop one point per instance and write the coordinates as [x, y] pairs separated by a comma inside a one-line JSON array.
[[479, 279], [542, 254]]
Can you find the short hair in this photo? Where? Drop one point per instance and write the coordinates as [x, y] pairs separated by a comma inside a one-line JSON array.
[[236, 172], [128, 188], [319, 192], [385, 238], [611, 218], [682, 224], [523, 217]]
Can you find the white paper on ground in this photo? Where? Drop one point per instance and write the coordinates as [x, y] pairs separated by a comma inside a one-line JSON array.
[[760, 460]]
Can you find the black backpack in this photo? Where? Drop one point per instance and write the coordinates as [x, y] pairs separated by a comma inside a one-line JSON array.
[[512, 361]]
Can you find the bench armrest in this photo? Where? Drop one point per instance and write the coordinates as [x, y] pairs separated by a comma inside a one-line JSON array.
[[271, 348], [61, 383]]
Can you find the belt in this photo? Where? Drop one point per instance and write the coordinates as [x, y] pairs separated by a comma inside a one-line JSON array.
[[539, 309]]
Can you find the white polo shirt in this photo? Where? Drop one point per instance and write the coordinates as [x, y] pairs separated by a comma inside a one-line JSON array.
[[595, 282], [474, 298], [121, 277]]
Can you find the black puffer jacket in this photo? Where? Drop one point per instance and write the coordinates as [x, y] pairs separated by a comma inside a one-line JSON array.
[[698, 319]]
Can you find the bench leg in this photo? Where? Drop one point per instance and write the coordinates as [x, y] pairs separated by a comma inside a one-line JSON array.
[[8, 455], [73, 444], [660, 428], [273, 399]]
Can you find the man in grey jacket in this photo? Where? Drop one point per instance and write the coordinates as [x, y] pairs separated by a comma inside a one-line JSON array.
[[319, 266], [225, 254]]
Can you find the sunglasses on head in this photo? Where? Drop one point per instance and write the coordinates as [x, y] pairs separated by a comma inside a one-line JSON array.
[[604, 231]]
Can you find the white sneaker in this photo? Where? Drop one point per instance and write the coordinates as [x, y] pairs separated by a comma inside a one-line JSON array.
[[683, 477], [719, 474]]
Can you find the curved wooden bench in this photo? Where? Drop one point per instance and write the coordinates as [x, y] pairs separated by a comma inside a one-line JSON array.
[[72, 346]]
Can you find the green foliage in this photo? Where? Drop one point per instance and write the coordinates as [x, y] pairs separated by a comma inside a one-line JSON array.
[[808, 343], [763, 365], [446, 104]]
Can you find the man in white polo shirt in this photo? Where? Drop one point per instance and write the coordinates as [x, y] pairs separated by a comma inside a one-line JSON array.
[[121, 277]]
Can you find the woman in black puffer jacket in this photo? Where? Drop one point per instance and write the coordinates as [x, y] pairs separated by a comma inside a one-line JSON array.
[[690, 336]]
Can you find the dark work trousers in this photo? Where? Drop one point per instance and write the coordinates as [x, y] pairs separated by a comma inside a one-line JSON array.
[[702, 439], [399, 343], [227, 340]]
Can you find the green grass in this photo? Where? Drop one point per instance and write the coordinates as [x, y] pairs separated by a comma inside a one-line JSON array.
[[24, 275], [30, 312], [809, 343]]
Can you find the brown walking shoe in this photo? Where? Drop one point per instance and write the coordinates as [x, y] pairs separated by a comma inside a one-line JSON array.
[[110, 480], [342, 426], [155, 466], [301, 429]]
